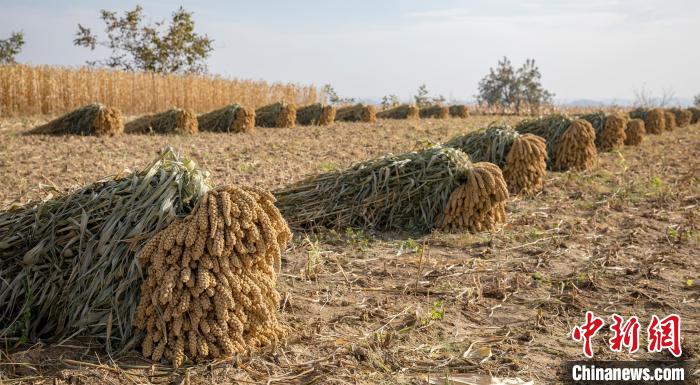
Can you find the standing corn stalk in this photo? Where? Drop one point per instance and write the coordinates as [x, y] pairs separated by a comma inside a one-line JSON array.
[[93, 119], [404, 111], [278, 115], [210, 288], [570, 143], [634, 134], [522, 157], [232, 118], [417, 191], [654, 119], [175, 121], [609, 130], [316, 114], [68, 265], [459, 111], [357, 113], [436, 112]]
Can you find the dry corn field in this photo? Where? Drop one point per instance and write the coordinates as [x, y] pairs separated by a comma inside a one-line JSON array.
[[32, 90], [360, 306]]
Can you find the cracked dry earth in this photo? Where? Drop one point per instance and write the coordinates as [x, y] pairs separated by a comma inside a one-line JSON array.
[[375, 308]]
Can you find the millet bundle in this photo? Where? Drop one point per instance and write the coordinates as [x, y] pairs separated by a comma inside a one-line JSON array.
[[405, 192], [316, 114], [459, 111], [683, 117], [278, 115], [695, 115], [634, 134], [404, 111], [654, 119], [176, 121], [232, 118], [570, 143], [68, 265], [210, 288], [437, 112], [523, 157], [357, 113], [609, 130], [670, 120], [93, 119]]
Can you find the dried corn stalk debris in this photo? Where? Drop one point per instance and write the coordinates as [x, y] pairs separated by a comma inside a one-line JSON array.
[[522, 157], [68, 265], [210, 288], [407, 192], [93, 119]]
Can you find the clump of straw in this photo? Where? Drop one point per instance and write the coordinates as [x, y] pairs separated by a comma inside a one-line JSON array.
[[278, 115], [669, 120], [407, 192], [436, 112], [459, 111], [523, 157], [634, 134], [210, 280], [404, 111], [609, 130], [68, 265], [357, 113], [232, 118], [175, 121], [654, 119], [570, 143], [316, 114], [93, 119]]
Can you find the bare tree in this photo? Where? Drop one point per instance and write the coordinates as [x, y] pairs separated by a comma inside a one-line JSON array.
[[644, 98]]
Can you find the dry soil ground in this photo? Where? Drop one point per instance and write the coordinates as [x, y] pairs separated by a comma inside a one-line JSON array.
[[367, 307]]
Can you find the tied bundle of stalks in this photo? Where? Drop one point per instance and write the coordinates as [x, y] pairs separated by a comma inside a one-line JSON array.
[[635, 132], [654, 119], [683, 117], [278, 115], [695, 115], [357, 113], [436, 112], [404, 111], [68, 265], [609, 130], [459, 111], [93, 119], [403, 192], [570, 143], [669, 120], [316, 114], [210, 290], [232, 118], [175, 121], [523, 157]]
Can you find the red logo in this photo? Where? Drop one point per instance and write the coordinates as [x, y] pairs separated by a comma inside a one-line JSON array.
[[665, 334], [624, 334], [587, 331]]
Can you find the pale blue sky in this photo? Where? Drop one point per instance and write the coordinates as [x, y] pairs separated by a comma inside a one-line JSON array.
[[585, 48]]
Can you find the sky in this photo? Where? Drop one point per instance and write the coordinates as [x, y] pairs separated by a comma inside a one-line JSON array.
[[585, 49]]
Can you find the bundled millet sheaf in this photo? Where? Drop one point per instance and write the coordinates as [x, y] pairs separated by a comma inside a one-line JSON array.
[[68, 265], [278, 115], [93, 119], [654, 119], [609, 130], [316, 114], [176, 121], [210, 288], [570, 143], [634, 134], [669, 120], [418, 191], [232, 118], [404, 111], [683, 117], [459, 111], [436, 112], [695, 115], [357, 113], [523, 157]]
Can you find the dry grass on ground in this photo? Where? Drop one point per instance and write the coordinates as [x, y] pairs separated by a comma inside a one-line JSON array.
[[397, 308]]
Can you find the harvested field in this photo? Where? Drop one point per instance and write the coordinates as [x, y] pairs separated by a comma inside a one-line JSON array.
[[396, 307]]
